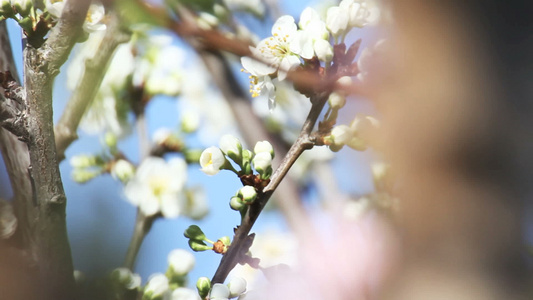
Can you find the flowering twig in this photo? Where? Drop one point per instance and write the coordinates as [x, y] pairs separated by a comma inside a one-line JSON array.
[[240, 240], [83, 95]]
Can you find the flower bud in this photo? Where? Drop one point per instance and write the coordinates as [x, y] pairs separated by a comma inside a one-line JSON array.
[[83, 161], [157, 286], [341, 134], [203, 284], [180, 262], [194, 232], [263, 164], [336, 100], [236, 287], [122, 170], [110, 140], [232, 147], [83, 175], [219, 292], [345, 81], [212, 160], [246, 161], [225, 240], [264, 146], [126, 278], [198, 246], [323, 50], [248, 194], [190, 121], [236, 203]]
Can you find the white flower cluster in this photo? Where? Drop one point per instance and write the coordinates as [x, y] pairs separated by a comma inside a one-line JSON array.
[[290, 44]]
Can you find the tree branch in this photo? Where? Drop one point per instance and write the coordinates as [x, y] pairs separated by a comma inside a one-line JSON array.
[[83, 95], [64, 34], [237, 249]]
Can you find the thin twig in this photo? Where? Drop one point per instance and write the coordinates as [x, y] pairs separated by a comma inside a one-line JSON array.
[[143, 223], [236, 250], [87, 88]]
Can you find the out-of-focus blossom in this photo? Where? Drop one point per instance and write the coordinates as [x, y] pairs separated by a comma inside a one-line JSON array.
[[157, 187], [182, 293], [122, 170], [219, 292], [256, 7], [196, 206], [93, 20], [157, 287], [181, 261], [126, 278]]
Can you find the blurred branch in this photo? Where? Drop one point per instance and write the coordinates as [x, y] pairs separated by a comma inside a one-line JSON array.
[[87, 88]]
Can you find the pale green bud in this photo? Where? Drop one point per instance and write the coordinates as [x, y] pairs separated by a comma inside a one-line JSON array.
[[246, 161], [336, 100], [83, 161], [123, 170], [194, 232], [232, 147], [236, 203], [203, 284], [264, 146], [110, 140], [236, 286], [84, 175], [263, 164], [248, 194]]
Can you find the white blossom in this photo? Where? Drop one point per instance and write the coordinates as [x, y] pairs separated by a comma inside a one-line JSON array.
[[313, 30], [182, 293], [181, 261], [274, 55], [158, 69], [211, 160], [336, 100], [337, 21], [323, 50], [196, 206], [157, 285], [219, 292], [95, 16], [236, 286], [158, 186], [264, 146], [127, 278], [341, 134], [248, 193], [230, 145], [262, 161]]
